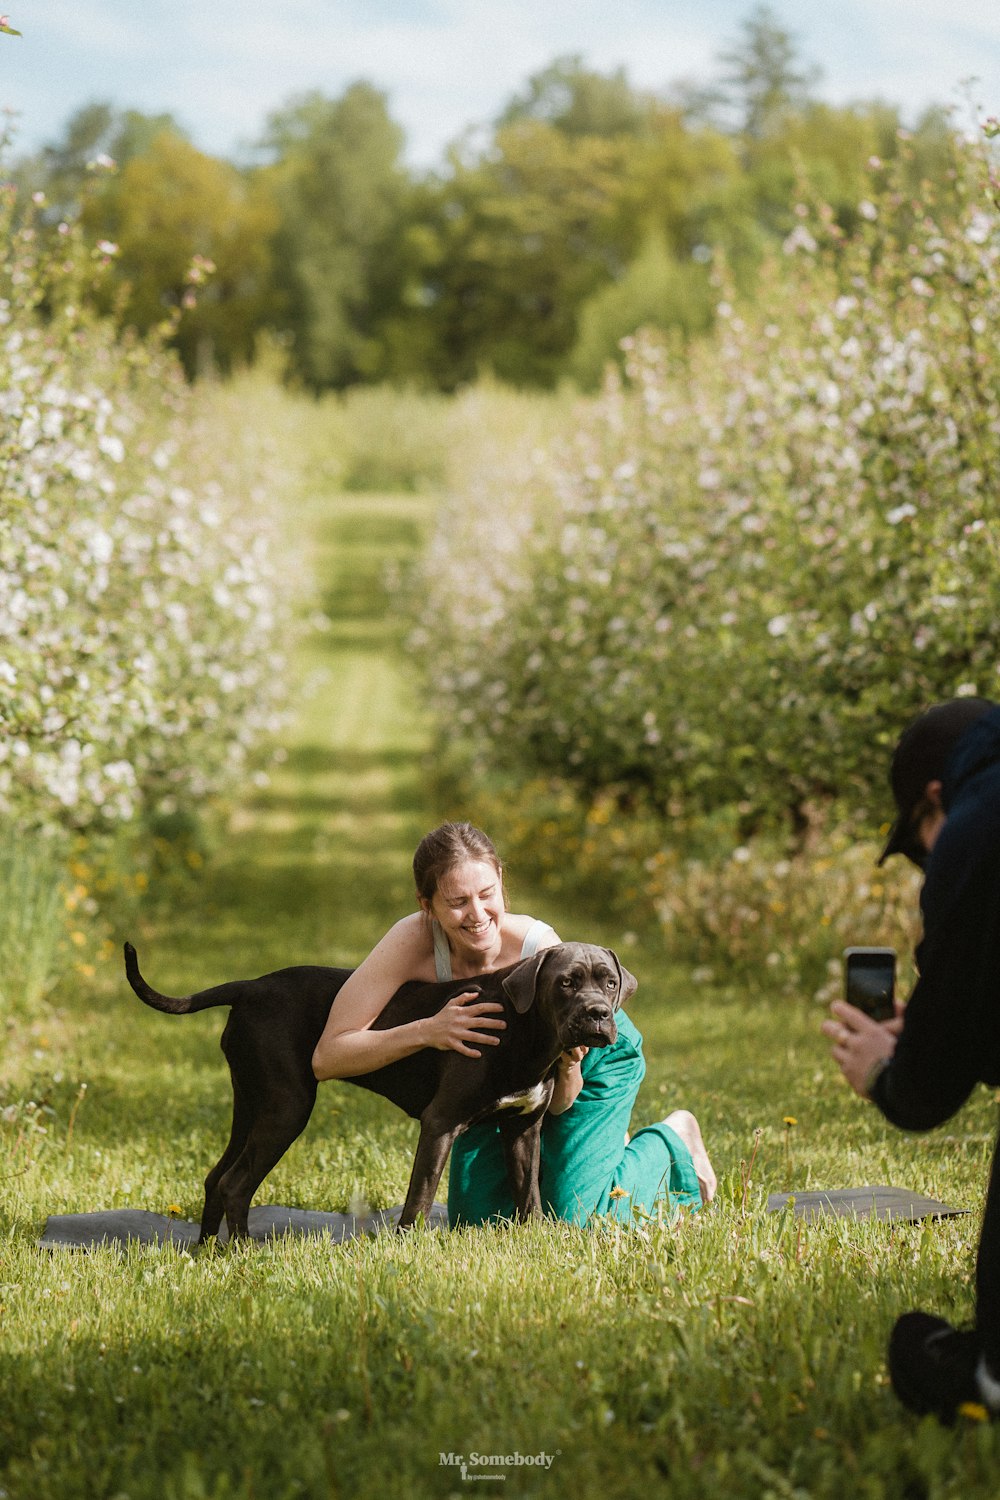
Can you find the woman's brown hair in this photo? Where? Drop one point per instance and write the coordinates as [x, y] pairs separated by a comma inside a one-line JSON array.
[[447, 846]]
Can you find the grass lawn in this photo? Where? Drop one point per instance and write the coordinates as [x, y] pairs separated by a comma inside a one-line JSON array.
[[734, 1354]]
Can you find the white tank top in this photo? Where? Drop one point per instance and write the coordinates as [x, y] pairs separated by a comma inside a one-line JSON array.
[[442, 953]]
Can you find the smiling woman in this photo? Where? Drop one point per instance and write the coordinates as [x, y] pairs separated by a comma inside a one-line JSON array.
[[463, 930], [457, 868]]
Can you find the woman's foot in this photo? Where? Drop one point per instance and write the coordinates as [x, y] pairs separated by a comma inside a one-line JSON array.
[[683, 1122]]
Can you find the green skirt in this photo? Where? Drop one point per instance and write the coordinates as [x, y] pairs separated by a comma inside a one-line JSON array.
[[587, 1170]]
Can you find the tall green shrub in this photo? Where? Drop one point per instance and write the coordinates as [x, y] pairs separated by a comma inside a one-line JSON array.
[[749, 566], [138, 603], [656, 291]]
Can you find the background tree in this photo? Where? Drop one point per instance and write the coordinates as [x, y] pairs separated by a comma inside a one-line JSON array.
[[588, 207], [517, 239], [764, 80], [342, 194], [96, 133], [521, 230], [657, 291], [578, 101], [681, 189], [139, 184], [178, 217]]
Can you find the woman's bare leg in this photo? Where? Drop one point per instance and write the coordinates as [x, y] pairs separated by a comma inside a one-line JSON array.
[[686, 1126]]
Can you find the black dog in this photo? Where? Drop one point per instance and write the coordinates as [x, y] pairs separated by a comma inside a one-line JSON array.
[[564, 997]]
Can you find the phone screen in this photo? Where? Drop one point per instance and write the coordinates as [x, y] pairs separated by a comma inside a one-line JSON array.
[[870, 981]]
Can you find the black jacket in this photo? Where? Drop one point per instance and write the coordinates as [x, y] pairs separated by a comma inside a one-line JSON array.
[[951, 1032]]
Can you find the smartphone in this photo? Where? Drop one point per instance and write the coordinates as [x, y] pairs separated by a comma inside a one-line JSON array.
[[870, 981]]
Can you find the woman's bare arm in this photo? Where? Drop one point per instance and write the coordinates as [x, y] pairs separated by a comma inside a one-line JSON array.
[[569, 1080], [348, 1046]]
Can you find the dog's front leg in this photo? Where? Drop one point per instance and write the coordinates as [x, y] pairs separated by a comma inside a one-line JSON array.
[[436, 1140], [522, 1143]]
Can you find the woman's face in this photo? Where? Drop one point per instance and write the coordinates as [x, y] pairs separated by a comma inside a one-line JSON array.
[[469, 905]]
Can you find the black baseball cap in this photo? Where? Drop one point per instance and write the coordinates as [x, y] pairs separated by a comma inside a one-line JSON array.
[[921, 756]]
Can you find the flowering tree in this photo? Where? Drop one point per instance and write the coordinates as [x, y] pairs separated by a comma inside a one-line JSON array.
[[137, 603], [751, 564]]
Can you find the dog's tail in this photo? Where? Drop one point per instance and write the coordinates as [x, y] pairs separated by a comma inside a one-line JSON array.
[[178, 1005]]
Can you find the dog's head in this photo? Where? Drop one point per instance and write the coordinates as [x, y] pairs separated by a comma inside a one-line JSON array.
[[576, 987]]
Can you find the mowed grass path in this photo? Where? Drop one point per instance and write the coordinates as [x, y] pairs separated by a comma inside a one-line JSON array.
[[317, 863], [735, 1353]]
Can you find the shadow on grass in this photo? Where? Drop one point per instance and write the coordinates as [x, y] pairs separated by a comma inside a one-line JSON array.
[[233, 1403], [319, 784], [173, 1414], [322, 760], [280, 909], [318, 874], [361, 545]]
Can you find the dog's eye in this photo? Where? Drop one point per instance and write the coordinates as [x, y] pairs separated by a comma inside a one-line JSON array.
[[611, 983], [566, 982]]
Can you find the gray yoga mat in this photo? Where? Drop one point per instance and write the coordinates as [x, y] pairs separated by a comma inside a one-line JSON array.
[[137, 1226], [899, 1204], [124, 1226]]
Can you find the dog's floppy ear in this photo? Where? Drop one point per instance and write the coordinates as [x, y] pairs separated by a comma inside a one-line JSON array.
[[519, 985], [627, 983]]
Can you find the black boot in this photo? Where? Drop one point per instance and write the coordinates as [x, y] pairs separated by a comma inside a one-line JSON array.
[[933, 1368]]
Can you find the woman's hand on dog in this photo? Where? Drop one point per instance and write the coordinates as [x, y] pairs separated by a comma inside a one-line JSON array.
[[465, 1019]]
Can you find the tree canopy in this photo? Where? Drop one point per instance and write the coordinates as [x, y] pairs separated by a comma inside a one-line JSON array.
[[535, 246]]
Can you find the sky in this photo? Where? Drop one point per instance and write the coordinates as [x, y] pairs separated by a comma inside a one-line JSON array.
[[222, 66]]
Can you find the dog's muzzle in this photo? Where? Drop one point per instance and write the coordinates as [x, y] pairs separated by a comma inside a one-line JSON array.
[[593, 1026]]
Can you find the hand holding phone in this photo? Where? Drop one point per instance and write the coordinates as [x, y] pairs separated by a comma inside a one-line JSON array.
[[870, 981]]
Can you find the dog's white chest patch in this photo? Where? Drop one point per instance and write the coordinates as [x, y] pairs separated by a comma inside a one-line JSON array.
[[525, 1102]]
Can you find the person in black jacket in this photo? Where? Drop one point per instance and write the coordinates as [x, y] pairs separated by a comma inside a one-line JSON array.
[[921, 1067]]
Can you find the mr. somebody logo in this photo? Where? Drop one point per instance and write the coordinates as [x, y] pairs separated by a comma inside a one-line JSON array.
[[495, 1466]]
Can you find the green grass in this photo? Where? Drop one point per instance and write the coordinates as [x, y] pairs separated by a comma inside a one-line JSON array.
[[32, 899], [737, 1353]]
